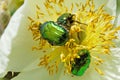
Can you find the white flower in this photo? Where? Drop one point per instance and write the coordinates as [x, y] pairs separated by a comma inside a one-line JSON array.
[[16, 42]]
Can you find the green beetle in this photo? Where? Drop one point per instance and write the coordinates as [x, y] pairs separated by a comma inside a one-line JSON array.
[[80, 65], [55, 34], [66, 20]]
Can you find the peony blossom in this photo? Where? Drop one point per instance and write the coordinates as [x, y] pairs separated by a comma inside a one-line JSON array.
[[22, 48]]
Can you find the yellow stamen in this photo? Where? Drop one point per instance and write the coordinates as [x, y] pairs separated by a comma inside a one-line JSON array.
[[99, 71]]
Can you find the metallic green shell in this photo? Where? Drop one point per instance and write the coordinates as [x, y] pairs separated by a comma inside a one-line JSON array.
[[65, 20], [54, 33], [81, 64]]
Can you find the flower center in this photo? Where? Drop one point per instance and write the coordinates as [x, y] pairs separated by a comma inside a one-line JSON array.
[[89, 31]]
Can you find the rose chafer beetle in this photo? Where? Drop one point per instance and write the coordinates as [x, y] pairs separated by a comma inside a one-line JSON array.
[[66, 20], [80, 65], [55, 34]]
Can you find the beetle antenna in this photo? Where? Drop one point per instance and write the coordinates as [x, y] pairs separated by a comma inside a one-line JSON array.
[[80, 23], [73, 16]]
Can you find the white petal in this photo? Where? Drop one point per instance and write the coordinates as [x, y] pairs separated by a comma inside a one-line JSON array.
[[17, 41], [36, 74], [112, 65], [39, 73], [6, 41], [110, 7]]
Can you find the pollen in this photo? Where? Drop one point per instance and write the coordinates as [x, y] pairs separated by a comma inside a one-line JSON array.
[[95, 33]]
